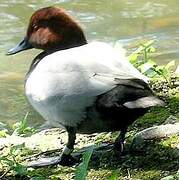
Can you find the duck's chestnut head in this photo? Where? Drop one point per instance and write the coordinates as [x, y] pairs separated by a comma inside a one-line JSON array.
[[51, 29]]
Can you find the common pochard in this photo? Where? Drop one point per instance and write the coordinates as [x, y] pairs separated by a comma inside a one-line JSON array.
[[82, 87]]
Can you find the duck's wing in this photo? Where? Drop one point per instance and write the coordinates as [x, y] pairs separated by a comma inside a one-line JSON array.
[[114, 59], [123, 104], [118, 78], [129, 93]]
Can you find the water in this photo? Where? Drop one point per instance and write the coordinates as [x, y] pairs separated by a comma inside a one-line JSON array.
[[126, 21]]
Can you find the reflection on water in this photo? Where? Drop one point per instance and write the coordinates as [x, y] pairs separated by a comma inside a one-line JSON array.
[[126, 21]]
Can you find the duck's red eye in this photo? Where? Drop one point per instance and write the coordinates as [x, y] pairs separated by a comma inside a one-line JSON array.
[[35, 27]]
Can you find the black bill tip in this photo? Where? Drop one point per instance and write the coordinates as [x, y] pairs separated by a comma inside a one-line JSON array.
[[23, 45]]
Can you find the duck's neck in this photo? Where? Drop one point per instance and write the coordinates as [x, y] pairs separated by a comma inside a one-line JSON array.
[[35, 61], [65, 45], [71, 40]]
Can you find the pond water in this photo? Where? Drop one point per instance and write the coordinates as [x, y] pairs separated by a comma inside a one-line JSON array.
[[126, 21]]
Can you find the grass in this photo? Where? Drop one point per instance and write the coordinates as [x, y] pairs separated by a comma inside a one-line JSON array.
[[81, 170]]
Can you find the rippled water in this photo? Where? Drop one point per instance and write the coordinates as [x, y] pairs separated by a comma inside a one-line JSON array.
[[126, 21]]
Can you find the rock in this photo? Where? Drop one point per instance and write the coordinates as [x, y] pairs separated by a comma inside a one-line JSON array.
[[156, 132], [45, 140], [42, 140], [50, 144], [171, 120]]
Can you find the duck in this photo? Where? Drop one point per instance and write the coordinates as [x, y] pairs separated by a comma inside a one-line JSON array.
[[83, 87]]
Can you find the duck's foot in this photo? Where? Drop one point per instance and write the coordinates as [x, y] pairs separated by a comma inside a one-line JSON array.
[[119, 146], [67, 160], [118, 150], [119, 142], [64, 160]]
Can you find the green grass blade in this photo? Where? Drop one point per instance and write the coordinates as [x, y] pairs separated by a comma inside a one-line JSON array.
[[81, 170]]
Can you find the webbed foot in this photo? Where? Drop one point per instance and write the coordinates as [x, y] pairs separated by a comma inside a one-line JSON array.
[[64, 160]]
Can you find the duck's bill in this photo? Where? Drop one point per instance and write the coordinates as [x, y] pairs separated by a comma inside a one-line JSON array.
[[23, 45]]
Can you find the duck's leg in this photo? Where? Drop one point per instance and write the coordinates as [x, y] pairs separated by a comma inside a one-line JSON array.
[[119, 142], [66, 158]]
